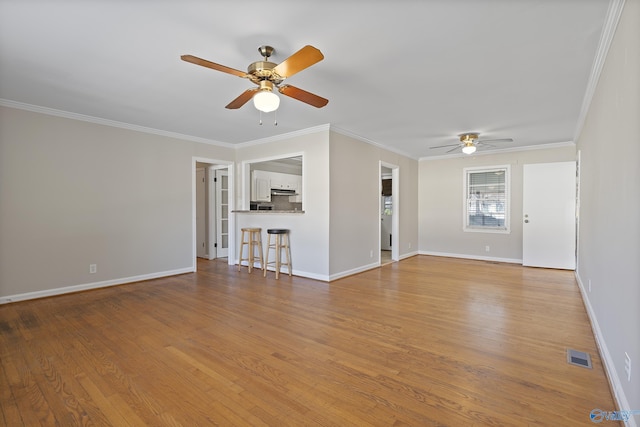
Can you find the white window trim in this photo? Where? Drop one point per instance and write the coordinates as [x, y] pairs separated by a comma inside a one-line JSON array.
[[507, 211]]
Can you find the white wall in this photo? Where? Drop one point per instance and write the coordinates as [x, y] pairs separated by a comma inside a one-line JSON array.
[[609, 245], [340, 224], [74, 193], [309, 231], [355, 209], [355, 204], [441, 204]]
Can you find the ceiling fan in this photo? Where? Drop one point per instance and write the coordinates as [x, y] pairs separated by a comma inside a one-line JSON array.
[[268, 75], [469, 142]]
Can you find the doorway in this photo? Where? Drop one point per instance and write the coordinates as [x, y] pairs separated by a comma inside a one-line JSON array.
[[213, 225], [389, 218]]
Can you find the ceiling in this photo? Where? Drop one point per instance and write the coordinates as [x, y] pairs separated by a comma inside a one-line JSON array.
[[406, 75]]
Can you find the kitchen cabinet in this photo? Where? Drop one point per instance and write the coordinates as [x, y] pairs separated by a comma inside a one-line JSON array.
[[262, 182], [260, 186], [282, 181]]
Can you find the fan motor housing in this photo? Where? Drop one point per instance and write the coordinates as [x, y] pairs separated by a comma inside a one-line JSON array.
[[262, 70], [468, 137]]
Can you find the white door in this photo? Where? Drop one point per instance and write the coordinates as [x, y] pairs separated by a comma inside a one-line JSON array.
[[222, 213], [549, 215], [386, 217], [201, 214]]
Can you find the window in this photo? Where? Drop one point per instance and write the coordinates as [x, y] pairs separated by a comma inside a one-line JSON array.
[[387, 202], [486, 199], [273, 183]]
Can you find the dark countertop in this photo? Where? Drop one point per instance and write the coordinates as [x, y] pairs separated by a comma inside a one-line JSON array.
[[266, 212]]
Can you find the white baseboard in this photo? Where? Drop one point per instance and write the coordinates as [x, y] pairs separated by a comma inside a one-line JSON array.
[[353, 271], [336, 276], [612, 375], [314, 276], [94, 285], [408, 255], [475, 257]]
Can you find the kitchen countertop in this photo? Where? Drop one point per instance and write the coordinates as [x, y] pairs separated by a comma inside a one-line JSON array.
[[266, 212]]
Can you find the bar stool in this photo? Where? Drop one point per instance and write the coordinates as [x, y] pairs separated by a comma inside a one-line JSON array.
[[281, 241], [253, 242]]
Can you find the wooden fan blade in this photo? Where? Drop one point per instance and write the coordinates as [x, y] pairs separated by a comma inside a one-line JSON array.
[[448, 145], [454, 149], [242, 99], [484, 141], [212, 65], [303, 95], [304, 58]]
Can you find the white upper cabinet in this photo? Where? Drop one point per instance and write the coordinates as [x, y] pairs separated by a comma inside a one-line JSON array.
[[260, 186], [282, 181], [262, 182]]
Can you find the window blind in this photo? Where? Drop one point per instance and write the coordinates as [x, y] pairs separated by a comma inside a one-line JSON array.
[[486, 198]]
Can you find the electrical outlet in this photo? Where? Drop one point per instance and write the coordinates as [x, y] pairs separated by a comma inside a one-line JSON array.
[[627, 365], [589, 285], [409, 245], [487, 248], [93, 268], [371, 254]]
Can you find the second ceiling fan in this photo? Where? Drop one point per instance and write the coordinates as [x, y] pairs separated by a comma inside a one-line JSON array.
[[469, 142], [268, 75]]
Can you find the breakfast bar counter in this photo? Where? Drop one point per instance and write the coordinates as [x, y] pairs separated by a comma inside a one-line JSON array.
[[267, 212]]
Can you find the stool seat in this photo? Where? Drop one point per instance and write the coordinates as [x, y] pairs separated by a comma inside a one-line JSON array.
[[277, 231], [281, 242]]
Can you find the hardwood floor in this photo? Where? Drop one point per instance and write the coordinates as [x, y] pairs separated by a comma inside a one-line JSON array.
[[424, 341]]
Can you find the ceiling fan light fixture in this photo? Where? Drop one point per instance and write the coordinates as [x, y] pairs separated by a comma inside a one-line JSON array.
[[469, 149], [266, 101], [268, 75]]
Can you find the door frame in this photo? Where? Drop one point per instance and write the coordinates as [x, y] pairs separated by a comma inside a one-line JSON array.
[[202, 210], [578, 195], [219, 164], [395, 213]]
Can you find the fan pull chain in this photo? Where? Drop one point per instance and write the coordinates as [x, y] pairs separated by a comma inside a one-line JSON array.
[[275, 120]]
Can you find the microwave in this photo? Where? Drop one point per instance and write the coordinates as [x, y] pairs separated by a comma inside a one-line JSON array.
[[255, 206]]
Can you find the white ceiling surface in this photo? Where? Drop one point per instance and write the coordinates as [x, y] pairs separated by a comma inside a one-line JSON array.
[[403, 74]]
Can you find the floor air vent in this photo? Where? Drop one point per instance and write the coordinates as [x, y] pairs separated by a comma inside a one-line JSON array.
[[578, 358]]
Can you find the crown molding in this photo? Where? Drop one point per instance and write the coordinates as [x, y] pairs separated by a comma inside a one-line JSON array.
[[608, 31], [370, 142], [321, 128], [113, 123], [283, 136], [280, 137], [96, 120]]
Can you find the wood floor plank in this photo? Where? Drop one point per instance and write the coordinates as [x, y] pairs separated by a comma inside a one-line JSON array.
[[9, 409], [425, 341]]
